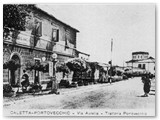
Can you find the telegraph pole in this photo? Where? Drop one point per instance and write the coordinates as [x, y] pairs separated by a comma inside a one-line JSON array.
[[111, 61], [111, 50]]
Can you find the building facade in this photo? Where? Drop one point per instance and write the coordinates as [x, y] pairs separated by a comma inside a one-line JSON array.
[[143, 61], [43, 35], [140, 55]]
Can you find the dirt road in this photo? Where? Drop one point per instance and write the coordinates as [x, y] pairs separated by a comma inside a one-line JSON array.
[[120, 95]]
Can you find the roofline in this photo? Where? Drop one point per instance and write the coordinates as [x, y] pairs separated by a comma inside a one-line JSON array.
[[55, 18], [83, 53], [140, 52], [133, 61]]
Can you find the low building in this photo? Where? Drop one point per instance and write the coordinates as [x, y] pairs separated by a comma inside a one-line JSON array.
[[143, 61]]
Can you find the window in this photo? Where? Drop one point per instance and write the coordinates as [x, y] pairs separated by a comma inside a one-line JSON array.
[[39, 28], [139, 65], [133, 57], [66, 41], [55, 35], [144, 66]]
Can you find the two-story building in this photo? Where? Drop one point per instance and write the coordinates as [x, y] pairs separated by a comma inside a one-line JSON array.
[[43, 35]]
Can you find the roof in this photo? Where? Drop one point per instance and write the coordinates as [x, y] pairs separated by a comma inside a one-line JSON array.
[[103, 64], [45, 12], [83, 53], [149, 60], [139, 52], [131, 61]]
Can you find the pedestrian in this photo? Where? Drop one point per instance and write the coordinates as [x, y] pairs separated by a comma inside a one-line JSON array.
[[110, 79], [147, 85], [25, 80]]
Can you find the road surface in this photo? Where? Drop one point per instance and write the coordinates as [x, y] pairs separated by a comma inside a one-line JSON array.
[[125, 94]]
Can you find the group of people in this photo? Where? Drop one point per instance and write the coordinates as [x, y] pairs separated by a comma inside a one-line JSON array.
[[25, 82]]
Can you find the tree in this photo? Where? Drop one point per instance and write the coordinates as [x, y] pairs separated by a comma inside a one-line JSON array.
[[14, 15]]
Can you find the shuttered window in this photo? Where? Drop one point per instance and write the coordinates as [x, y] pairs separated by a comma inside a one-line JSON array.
[[139, 65], [39, 29], [55, 35], [144, 66]]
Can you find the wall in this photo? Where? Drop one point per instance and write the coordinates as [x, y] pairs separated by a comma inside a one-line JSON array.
[[25, 56], [83, 56], [148, 66], [66, 35], [139, 56]]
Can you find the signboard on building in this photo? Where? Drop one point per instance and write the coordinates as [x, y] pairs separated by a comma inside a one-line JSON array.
[[50, 68]]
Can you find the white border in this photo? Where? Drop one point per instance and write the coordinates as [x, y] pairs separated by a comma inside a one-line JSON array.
[[83, 1]]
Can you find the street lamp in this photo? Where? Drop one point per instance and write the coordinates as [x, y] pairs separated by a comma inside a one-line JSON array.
[[54, 87], [43, 59]]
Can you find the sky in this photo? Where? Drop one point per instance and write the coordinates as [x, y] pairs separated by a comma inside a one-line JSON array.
[[131, 26]]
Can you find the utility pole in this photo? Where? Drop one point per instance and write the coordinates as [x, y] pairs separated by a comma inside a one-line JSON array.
[[111, 50], [111, 61]]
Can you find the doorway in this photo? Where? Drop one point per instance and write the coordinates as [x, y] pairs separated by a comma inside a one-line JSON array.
[[36, 73], [15, 74]]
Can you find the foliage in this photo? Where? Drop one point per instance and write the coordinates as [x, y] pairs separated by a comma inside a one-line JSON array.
[[93, 66], [29, 65], [14, 15], [11, 65], [7, 88], [44, 67], [15, 20], [76, 64], [61, 67], [112, 71]]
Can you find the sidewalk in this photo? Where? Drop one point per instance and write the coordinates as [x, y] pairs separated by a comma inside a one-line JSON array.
[[21, 96]]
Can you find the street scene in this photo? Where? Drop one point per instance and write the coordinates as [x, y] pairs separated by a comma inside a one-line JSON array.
[[105, 62], [93, 96]]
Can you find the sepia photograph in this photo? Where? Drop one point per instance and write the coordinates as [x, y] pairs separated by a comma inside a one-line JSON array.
[[79, 59]]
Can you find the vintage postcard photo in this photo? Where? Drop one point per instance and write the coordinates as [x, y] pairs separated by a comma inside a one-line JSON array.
[[79, 60]]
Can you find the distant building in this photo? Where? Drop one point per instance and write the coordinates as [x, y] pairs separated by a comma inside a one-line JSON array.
[[142, 61]]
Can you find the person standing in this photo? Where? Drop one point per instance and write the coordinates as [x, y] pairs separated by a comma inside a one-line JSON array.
[[147, 85], [25, 82]]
